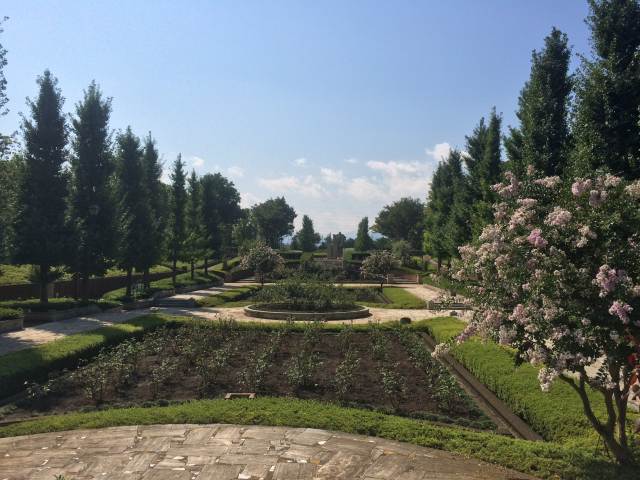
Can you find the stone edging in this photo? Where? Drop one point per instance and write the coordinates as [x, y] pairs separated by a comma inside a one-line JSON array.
[[255, 312]]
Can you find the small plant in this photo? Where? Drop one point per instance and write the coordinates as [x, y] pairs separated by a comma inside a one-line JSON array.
[[393, 384], [346, 337], [209, 368], [259, 362], [344, 379], [301, 369], [379, 343], [163, 373]]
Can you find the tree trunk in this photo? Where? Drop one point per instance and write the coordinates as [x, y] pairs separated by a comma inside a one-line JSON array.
[[173, 271], [193, 269], [439, 264], [129, 279], [44, 277]]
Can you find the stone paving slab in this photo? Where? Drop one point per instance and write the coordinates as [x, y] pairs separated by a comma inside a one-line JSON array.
[[233, 452]]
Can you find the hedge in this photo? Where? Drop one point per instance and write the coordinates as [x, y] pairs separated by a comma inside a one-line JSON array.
[[223, 298], [10, 313], [56, 304], [35, 363]]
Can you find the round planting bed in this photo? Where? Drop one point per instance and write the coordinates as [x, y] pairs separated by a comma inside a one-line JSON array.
[[282, 311]]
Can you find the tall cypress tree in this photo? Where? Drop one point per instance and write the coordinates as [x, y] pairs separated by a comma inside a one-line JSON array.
[[543, 109], [307, 238], [135, 215], [178, 206], [606, 118], [155, 240], [194, 244], [436, 214], [363, 242], [39, 227], [458, 225], [92, 213]]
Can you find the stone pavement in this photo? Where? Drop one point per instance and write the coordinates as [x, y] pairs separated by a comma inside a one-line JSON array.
[[47, 332], [226, 452]]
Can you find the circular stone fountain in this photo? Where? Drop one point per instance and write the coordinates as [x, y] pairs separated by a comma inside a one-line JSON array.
[[283, 311]]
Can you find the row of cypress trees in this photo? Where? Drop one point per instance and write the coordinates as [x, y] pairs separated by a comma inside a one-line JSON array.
[[101, 202], [569, 125]]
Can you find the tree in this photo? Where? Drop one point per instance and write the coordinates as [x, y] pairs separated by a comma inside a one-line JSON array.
[[10, 171], [307, 237], [543, 108], [5, 140], [402, 220], [220, 210], [157, 198], [40, 230], [195, 242], [92, 212], [136, 220], [261, 260], [245, 232], [178, 206], [363, 241], [274, 219], [379, 264], [401, 249], [606, 129], [558, 280]]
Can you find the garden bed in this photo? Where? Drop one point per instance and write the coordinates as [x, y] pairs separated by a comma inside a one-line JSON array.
[[373, 368]]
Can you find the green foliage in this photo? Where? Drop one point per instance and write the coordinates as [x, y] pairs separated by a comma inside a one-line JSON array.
[[402, 220], [274, 219], [307, 237], [344, 378], [363, 241], [40, 230], [401, 249], [379, 265], [300, 293], [9, 313], [55, 304], [220, 210], [262, 260], [178, 210], [10, 171], [92, 210], [227, 298], [33, 364]]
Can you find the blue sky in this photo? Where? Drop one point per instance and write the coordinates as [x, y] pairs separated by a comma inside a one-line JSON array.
[[340, 106]]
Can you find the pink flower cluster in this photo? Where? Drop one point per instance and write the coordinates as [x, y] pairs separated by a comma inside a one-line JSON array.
[[633, 190], [621, 310], [546, 376], [559, 217], [536, 239], [608, 279], [585, 235], [548, 182], [580, 186], [597, 198]]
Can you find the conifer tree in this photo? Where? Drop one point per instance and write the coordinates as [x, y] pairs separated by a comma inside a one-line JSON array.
[[607, 112], [194, 243], [39, 227], [307, 238], [543, 110], [363, 239], [92, 212], [178, 206], [135, 215]]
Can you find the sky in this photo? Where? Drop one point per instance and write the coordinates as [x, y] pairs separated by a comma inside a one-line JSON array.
[[340, 106]]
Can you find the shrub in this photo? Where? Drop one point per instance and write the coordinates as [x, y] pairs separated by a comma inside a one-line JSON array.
[[10, 313]]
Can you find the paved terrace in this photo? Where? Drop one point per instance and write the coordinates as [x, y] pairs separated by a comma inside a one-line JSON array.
[[226, 452]]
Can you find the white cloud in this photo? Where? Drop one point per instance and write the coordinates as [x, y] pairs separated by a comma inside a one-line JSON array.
[[331, 176], [439, 152], [301, 162], [248, 199], [306, 186], [235, 172], [396, 168], [364, 189], [352, 161], [195, 162]]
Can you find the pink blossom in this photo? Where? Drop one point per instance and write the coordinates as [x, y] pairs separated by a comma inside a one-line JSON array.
[[610, 181], [597, 198], [506, 335], [621, 310], [635, 291], [548, 182], [530, 170], [440, 350], [559, 217], [580, 186], [633, 190], [546, 376], [608, 279], [536, 239], [519, 315]]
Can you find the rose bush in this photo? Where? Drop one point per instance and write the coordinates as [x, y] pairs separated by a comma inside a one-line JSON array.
[[261, 260], [557, 277]]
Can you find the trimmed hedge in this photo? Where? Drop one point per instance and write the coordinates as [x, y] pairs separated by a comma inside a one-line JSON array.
[[34, 364], [290, 254], [557, 415], [56, 304], [10, 313], [544, 460]]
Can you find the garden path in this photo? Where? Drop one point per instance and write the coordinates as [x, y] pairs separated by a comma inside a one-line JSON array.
[[47, 332], [221, 452]]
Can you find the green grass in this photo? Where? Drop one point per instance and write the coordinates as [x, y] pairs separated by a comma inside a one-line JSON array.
[[182, 280], [35, 363], [231, 298], [399, 298], [446, 284], [557, 415], [545, 460]]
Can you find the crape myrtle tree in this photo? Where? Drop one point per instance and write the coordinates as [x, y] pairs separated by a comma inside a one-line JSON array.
[[158, 200], [379, 265], [557, 278], [91, 201], [274, 219], [135, 217], [178, 209], [402, 220], [607, 108], [307, 238], [542, 139], [40, 230], [262, 260], [363, 242]]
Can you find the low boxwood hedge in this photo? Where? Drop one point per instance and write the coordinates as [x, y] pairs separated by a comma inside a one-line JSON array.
[[56, 304], [10, 313]]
